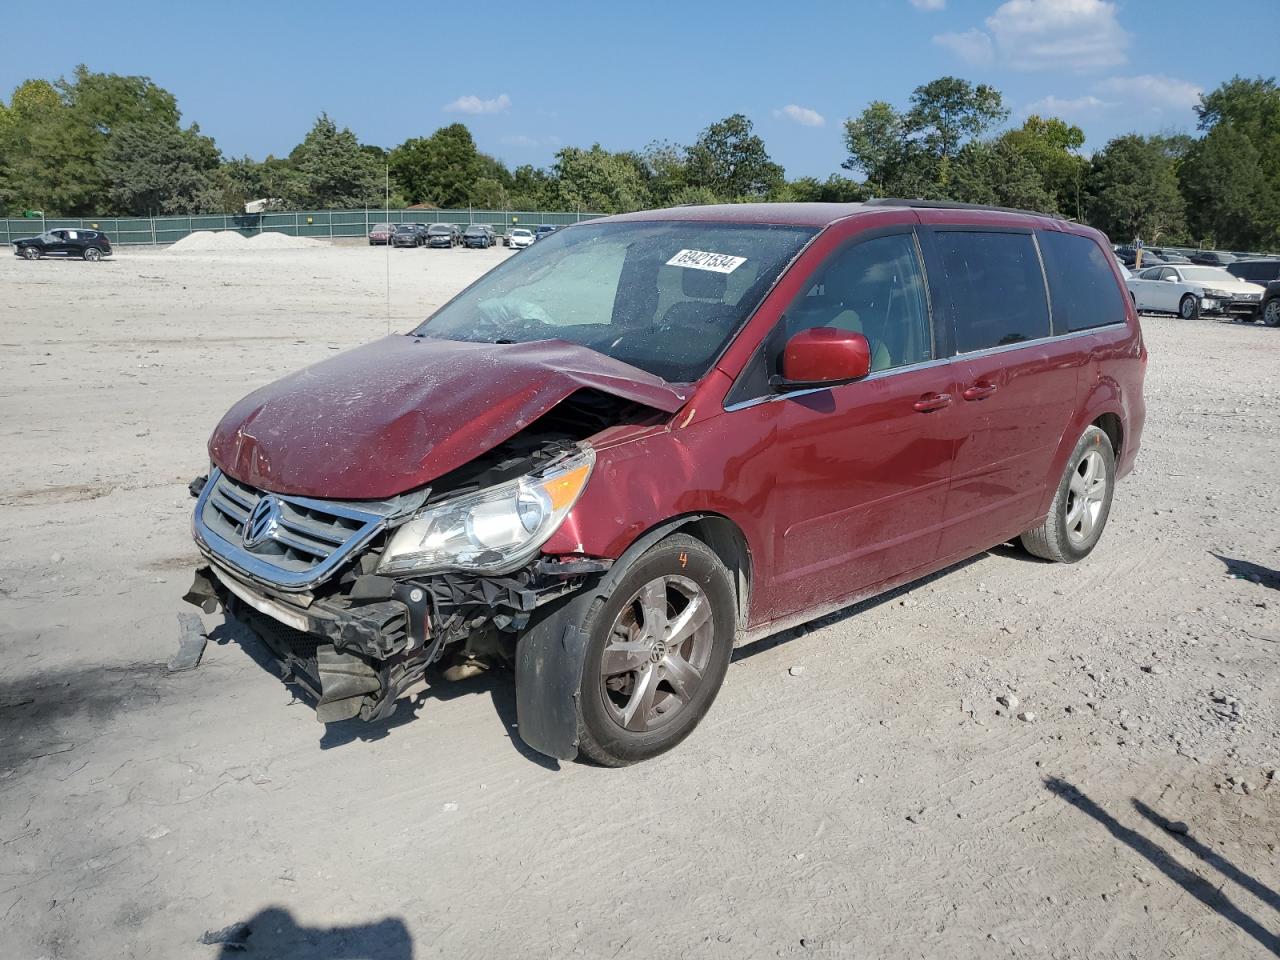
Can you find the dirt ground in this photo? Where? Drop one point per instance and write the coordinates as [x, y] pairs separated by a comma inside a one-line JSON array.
[[877, 802]]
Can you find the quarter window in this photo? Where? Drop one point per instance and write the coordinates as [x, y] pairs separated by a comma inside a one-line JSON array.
[[875, 288], [1082, 288], [997, 288]]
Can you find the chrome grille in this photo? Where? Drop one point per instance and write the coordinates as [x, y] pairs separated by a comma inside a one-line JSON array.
[[305, 539]]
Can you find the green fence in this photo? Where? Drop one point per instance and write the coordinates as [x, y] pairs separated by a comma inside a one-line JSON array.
[[298, 223]]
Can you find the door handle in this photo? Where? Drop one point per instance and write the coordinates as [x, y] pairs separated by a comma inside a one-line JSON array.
[[932, 401], [979, 391]]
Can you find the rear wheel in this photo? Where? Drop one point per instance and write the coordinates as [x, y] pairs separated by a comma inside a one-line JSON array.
[[1189, 307], [1081, 504], [1271, 313], [658, 651], [31, 253], [92, 254]]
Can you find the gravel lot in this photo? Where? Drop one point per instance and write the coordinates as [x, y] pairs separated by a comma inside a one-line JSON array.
[[879, 801]]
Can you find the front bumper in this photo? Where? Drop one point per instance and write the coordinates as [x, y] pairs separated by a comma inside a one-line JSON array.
[[1240, 309], [356, 649]]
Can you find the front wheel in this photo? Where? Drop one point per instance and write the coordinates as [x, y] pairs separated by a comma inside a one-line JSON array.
[[1189, 307], [30, 253], [1271, 313], [657, 652], [1081, 504]]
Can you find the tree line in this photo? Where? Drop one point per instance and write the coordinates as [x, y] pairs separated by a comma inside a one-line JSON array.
[[103, 144]]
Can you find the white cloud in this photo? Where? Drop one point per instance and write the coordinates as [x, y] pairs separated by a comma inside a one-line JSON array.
[[1076, 35], [1058, 34], [1067, 108], [972, 46], [528, 142], [801, 115], [475, 105], [1153, 90], [929, 4]]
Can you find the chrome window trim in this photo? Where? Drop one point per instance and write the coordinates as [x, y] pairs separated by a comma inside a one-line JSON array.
[[876, 375], [372, 522], [1022, 344], [911, 367]]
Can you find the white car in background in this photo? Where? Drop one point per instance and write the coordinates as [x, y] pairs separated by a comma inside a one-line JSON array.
[[1190, 291], [520, 238]]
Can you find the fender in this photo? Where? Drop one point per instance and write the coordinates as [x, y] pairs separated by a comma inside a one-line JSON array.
[[1104, 397], [550, 653]]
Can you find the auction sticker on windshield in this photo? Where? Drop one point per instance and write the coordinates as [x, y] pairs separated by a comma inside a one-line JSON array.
[[702, 260]]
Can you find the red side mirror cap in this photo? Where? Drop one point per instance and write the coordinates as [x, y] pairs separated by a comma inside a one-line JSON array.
[[824, 356]]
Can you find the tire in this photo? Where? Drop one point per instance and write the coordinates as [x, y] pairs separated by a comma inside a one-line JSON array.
[[1271, 312], [92, 254], [1189, 307], [1071, 531], [631, 707], [30, 253]]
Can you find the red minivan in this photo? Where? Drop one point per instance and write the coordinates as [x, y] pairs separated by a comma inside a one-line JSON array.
[[651, 437]]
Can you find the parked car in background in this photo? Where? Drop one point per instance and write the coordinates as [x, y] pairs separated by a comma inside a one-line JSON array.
[[543, 231], [1191, 291], [443, 235], [519, 238], [1261, 271], [406, 235], [381, 233], [1166, 254], [1128, 255], [90, 245], [478, 235], [1264, 271], [653, 437], [1211, 258]]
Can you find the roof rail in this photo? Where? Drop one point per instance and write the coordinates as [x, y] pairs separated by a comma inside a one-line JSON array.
[[954, 205]]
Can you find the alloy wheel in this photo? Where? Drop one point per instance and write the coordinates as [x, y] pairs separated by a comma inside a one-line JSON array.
[[658, 650], [1086, 494], [1271, 315]]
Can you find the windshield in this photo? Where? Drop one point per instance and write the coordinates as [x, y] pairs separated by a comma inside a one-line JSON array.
[[406, 228], [663, 296], [439, 228], [1216, 274], [383, 227], [521, 233]]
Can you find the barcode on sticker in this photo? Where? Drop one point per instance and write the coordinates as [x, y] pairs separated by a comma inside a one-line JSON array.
[[703, 260]]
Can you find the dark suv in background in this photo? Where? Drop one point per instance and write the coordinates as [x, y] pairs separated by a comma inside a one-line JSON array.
[[1264, 271], [90, 245]]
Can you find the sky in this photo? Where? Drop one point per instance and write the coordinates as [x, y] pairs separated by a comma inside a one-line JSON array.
[[529, 78]]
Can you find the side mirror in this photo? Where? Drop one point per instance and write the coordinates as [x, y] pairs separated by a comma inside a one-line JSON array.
[[1171, 279], [823, 357]]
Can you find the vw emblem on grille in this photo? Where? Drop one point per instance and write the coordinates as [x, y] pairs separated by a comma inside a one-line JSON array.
[[262, 522]]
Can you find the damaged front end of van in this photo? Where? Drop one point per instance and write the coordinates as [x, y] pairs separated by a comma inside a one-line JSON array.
[[371, 514]]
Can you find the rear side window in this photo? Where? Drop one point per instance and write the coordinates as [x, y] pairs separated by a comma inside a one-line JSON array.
[[1082, 288], [997, 288]]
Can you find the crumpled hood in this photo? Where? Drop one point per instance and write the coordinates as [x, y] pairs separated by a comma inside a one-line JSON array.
[[395, 414]]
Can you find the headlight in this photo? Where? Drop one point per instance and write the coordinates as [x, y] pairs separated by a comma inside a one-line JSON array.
[[491, 531], [1217, 294]]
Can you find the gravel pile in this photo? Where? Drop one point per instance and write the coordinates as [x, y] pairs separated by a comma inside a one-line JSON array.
[[204, 240], [282, 241]]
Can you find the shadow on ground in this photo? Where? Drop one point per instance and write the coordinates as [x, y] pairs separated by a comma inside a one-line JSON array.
[[274, 933], [1247, 570], [1203, 889]]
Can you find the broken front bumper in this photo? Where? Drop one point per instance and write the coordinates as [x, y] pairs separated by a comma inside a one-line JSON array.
[[357, 649]]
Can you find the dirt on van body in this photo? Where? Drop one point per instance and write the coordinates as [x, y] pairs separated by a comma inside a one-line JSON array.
[[1009, 759]]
